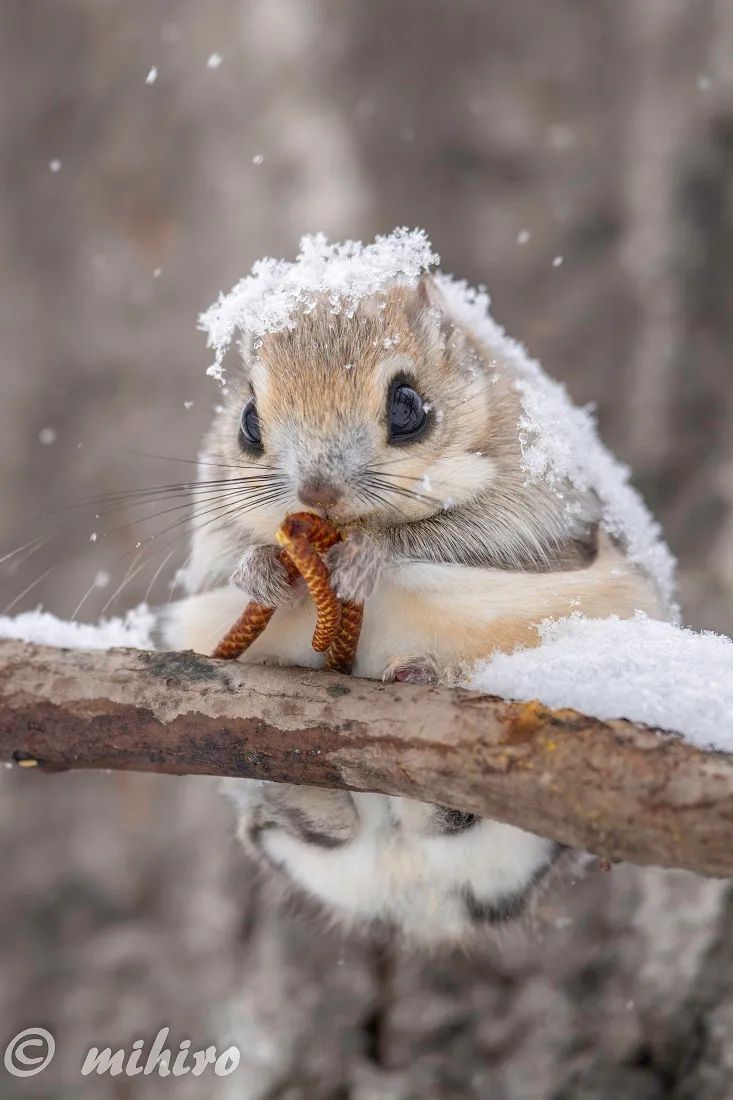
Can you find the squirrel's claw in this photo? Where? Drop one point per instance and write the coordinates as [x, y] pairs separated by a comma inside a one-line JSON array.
[[412, 670]]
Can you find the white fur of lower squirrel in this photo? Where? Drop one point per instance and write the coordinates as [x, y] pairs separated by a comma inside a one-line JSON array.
[[403, 429]]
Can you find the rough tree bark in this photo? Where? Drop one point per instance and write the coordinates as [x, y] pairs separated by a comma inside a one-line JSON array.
[[618, 790]]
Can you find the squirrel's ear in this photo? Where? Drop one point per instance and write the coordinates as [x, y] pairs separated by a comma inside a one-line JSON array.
[[431, 316], [428, 294]]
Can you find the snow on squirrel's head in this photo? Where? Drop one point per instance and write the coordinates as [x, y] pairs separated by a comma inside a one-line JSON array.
[[385, 394]]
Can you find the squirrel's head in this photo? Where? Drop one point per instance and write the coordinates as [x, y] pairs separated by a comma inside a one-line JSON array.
[[383, 415]]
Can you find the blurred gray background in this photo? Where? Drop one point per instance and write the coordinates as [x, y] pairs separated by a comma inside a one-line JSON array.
[[514, 133]]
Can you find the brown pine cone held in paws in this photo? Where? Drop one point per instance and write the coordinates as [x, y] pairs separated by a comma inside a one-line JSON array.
[[304, 536], [244, 631], [340, 656]]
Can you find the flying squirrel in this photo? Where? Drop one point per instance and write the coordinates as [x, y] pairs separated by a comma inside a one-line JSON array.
[[397, 424]]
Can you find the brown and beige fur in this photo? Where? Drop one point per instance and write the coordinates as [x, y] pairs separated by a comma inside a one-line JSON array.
[[457, 555]]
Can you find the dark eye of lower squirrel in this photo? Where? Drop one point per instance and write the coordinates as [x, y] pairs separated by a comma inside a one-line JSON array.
[[407, 415], [249, 426]]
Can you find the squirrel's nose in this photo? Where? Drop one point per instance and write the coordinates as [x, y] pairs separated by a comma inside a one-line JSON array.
[[319, 493]]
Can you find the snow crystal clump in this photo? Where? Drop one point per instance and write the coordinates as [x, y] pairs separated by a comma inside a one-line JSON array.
[[640, 669], [134, 631], [269, 297], [559, 441]]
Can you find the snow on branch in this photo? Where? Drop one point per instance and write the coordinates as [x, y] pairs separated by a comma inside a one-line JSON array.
[[619, 790]]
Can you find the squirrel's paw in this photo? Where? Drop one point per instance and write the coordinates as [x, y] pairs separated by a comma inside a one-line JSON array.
[[412, 670], [355, 565], [264, 578]]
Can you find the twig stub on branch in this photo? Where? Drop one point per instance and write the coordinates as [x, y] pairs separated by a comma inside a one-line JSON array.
[[615, 789]]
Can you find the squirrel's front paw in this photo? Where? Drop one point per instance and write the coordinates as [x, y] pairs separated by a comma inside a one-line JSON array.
[[264, 578], [355, 565]]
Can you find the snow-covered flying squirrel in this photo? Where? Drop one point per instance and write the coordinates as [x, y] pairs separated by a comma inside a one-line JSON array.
[[398, 424]]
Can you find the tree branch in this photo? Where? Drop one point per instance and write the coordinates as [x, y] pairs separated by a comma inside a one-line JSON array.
[[612, 788]]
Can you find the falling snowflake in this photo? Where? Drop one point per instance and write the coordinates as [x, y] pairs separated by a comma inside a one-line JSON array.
[[214, 60], [152, 75]]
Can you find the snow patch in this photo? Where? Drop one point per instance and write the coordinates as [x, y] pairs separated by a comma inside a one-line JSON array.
[[133, 631], [641, 669], [269, 297]]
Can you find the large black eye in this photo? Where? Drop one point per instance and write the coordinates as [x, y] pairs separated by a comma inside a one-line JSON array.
[[407, 416], [249, 427]]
